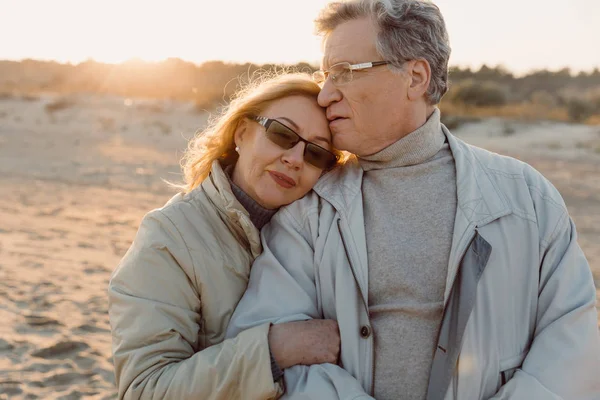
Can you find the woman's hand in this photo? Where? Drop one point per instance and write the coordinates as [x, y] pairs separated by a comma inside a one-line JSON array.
[[314, 341]]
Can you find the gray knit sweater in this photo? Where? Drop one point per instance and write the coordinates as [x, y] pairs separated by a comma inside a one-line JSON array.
[[409, 194]]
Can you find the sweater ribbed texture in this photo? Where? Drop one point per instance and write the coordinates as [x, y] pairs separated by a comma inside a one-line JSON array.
[[259, 215], [409, 195]]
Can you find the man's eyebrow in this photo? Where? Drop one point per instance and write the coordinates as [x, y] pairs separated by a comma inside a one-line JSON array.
[[327, 65], [338, 61]]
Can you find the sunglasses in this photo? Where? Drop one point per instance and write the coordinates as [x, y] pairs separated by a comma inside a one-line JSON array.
[[286, 138]]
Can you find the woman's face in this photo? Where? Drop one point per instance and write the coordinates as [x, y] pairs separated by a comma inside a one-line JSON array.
[[270, 174]]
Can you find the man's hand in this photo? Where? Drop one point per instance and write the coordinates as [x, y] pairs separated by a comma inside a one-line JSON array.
[[315, 341]]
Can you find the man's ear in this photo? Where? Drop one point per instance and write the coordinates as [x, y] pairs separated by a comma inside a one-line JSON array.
[[240, 132], [420, 74]]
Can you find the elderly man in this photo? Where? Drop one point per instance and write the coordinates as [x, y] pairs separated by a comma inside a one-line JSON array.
[[453, 272]]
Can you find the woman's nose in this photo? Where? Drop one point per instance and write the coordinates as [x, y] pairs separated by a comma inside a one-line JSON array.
[[294, 157]]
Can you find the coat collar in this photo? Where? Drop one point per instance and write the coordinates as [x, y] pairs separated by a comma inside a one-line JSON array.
[[479, 200], [218, 190], [341, 185]]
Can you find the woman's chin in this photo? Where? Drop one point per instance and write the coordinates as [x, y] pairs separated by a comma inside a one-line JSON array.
[[273, 201], [267, 200]]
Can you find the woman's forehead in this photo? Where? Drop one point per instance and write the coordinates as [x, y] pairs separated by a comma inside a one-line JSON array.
[[303, 115]]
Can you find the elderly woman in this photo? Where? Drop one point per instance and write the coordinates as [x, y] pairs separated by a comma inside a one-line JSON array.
[[173, 293]]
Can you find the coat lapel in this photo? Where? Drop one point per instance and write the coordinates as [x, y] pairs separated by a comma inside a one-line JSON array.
[[479, 202], [456, 315]]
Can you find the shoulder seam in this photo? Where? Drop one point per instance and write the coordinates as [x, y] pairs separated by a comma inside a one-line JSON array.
[[546, 198], [546, 242]]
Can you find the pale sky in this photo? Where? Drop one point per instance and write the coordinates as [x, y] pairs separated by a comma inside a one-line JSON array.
[[519, 34]]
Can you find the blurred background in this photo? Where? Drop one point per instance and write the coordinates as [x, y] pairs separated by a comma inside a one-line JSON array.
[[99, 99]]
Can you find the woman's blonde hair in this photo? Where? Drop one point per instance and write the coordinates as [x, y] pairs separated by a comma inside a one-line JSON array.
[[216, 142]]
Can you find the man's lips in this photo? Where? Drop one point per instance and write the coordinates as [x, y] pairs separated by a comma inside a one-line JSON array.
[[336, 121], [282, 179], [332, 117]]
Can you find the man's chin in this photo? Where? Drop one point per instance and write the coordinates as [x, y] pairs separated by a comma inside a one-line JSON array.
[[341, 142]]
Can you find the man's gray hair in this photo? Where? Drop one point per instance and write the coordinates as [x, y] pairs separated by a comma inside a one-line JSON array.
[[407, 30]]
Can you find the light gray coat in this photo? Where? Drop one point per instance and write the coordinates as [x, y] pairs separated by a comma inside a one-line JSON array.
[[519, 319]]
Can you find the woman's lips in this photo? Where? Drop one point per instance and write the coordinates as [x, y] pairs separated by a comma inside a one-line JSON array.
[[282, 179]]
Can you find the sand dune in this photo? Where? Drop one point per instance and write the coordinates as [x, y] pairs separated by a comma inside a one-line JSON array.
[[75, 183]]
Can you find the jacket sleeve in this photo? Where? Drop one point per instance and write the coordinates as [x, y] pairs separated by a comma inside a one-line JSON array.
[[564, 357], [154, 311], [282, 289]]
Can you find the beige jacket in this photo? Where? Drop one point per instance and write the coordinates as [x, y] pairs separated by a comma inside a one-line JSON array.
[[171, 298]]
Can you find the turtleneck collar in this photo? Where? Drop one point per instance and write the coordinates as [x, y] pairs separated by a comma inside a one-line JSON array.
[[414, 148], [259, 215]]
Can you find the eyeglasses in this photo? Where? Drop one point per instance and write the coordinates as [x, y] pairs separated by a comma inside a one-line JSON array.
[[341, 73], [286, 138]]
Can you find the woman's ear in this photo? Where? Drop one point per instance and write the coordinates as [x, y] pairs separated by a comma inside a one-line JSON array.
[[240, 132]]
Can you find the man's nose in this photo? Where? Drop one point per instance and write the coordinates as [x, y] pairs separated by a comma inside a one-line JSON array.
[[328, 94]]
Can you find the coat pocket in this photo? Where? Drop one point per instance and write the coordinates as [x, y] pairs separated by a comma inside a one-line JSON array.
[[509, 366]]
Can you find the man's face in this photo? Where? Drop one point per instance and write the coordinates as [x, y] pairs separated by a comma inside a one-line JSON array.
[[367, 113]]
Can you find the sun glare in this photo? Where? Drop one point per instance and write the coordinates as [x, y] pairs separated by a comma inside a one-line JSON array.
[[542, 35], [115, 31]]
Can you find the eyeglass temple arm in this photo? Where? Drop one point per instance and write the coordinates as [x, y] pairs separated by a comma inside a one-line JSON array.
[[261, 120], [368, 65]]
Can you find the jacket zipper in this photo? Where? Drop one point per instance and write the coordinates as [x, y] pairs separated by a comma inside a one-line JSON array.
[[364, 302]]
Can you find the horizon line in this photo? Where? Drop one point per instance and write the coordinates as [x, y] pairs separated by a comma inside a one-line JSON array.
[[140, 60]]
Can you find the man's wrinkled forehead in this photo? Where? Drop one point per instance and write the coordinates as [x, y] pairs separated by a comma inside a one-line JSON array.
[[352, 41]]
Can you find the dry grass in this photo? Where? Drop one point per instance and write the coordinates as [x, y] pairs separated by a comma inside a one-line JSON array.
[[59, 104], [593, 120], [522, 111]]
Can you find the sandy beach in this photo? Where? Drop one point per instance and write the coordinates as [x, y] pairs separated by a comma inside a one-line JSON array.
[[76, 176]]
